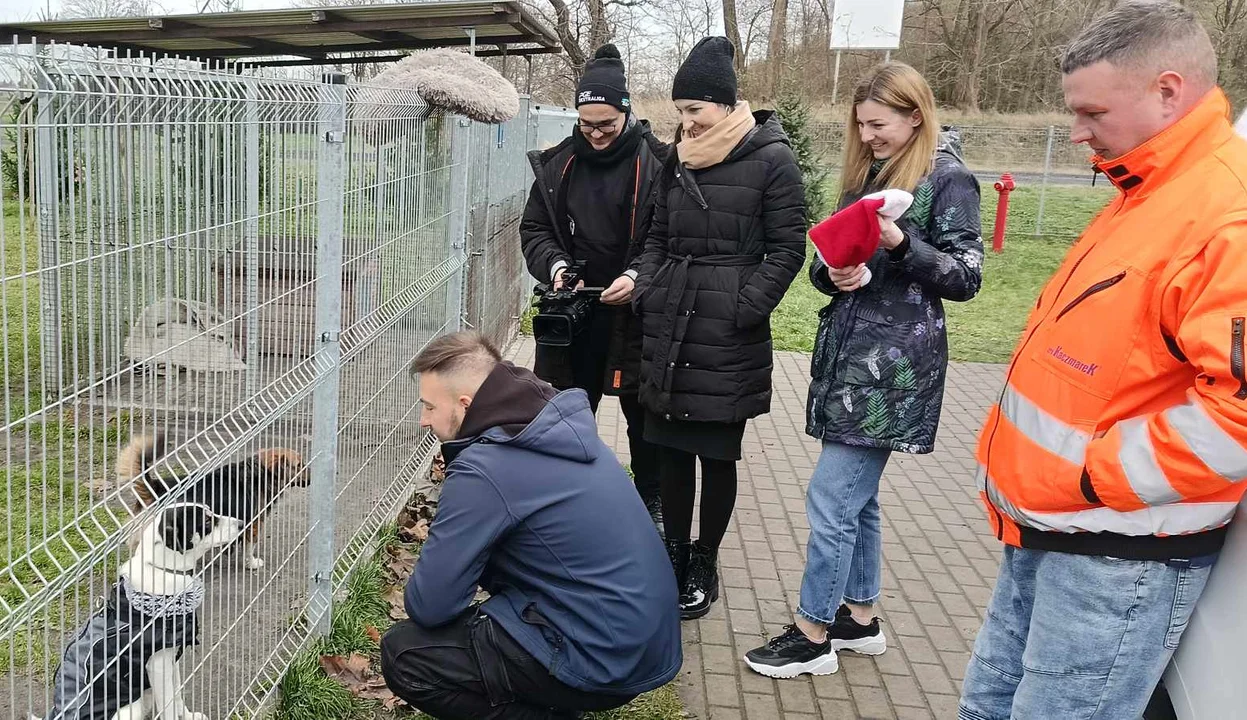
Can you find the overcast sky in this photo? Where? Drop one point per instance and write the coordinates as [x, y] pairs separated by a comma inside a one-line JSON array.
[[11, 10]]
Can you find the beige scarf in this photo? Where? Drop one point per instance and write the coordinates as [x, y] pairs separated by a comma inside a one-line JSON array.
[[713, 146]]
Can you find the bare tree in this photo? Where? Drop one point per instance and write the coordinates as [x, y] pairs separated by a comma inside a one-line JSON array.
[[584, 25], [775, 47], [108, 8], [732, 27], [757, 14], [1228, 27]]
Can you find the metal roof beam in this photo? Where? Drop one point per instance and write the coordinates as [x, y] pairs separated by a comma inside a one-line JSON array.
[[169, 29], [373, 59], [412, 44]]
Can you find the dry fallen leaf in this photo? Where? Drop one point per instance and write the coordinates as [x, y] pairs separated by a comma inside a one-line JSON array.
[[354, 672], [438, 472], [351, 670], [413, 528], [402, 554], [373, 634], [401, 563], [406, 520], [398, 609]]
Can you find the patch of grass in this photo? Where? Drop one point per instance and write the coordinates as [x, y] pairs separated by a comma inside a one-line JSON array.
[[20, 296], [526, 321], [661, 704], [307, 693], [795, 320], [987, 328], [363, 606], [43, 498]]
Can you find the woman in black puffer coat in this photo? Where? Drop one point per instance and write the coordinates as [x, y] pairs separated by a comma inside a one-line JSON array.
[[728, 237]]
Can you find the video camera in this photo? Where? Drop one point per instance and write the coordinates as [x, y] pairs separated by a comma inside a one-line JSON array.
[[564, 313]]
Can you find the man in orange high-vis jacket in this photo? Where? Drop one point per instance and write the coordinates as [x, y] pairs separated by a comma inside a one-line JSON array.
[[1117, 454]]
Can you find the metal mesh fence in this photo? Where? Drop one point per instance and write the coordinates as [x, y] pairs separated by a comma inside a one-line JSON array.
[[1057, 189], [241, 267], [987, 149]]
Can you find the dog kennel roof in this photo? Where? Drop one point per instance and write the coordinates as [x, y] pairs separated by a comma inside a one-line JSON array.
[[313, 35]]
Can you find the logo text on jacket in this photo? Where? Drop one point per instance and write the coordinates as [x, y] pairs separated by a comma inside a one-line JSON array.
[[1086, 368]]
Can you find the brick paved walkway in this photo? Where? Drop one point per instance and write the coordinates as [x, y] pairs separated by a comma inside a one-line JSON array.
[[939, 565]]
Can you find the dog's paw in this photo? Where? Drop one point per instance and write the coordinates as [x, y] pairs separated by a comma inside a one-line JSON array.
[[254, 563]]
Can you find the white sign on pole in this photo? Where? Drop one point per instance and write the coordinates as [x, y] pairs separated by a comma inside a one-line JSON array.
[[866, 24]]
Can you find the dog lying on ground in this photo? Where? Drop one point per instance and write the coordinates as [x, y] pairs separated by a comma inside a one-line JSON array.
[[244, 490], [124, 663]]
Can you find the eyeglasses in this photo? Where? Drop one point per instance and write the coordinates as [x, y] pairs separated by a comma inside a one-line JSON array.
[[605, 128]]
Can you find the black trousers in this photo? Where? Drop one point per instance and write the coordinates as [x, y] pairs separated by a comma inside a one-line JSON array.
[[472, 670], [589, 355]]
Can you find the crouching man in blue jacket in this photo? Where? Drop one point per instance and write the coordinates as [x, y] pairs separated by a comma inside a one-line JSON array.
[[582, 614]]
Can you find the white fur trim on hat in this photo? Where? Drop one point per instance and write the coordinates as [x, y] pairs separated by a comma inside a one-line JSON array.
[[895, 203]]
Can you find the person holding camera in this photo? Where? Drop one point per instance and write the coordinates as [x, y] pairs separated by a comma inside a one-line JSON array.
[[591, 204], [727, 241]]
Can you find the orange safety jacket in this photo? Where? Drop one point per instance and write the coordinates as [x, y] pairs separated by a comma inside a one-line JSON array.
[[1122, 428]]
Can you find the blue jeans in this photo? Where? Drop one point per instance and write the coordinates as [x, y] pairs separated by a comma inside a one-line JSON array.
[[845, 551], [1078, 637]]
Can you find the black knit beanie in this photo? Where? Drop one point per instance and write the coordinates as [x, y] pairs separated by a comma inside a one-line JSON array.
[[707, 74], [604, 81]]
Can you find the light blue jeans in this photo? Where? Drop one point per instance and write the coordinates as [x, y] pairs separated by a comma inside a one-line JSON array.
[[845, 551], [1078, 637]]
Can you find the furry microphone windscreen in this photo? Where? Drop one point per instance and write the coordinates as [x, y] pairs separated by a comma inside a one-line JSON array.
[[446, 79]]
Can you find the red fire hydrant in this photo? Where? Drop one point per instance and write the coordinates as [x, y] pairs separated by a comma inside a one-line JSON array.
[[1004, 186]]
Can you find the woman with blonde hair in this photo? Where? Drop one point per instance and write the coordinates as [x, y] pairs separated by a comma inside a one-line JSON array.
[[879, 360]]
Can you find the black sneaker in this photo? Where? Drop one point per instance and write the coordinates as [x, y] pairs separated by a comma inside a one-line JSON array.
[[846, 634], [792, 654], [701, 586]]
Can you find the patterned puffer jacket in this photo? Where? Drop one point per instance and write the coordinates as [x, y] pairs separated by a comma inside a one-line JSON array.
[[881, 352]]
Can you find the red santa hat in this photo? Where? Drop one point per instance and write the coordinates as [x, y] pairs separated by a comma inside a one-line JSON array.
[[851, 236]]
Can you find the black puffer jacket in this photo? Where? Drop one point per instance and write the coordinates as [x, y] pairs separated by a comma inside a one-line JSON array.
[[881, 352], [726, 243], [545, 241]]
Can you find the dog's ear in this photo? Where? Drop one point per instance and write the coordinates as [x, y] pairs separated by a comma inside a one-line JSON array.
[[182, 525], [283, 463]]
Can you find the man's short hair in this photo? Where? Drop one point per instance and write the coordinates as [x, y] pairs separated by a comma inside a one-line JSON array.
[[1146, 35], [456, 353]]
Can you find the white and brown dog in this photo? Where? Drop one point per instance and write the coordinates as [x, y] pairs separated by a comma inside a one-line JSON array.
[[124, 663]]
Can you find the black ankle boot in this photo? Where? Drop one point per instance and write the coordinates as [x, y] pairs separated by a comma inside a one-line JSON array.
[[678, 552], [701, 586]]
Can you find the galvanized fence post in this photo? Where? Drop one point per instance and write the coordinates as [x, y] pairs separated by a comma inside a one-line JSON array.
[[49, 183], [330, 199], [251, 237], [1043, 189], [457, 221]]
